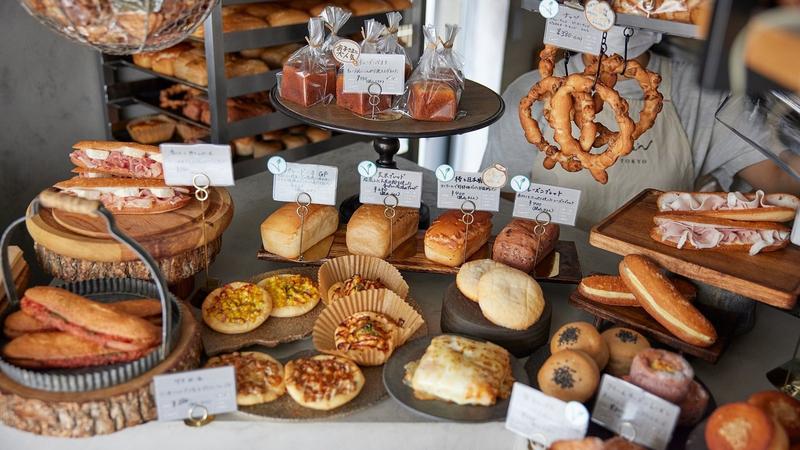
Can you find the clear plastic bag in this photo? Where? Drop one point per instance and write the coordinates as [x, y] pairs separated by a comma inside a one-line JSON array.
[[391, 44], [334, 18], [309, 75], [685, 11], [434, 89], [359, 103]]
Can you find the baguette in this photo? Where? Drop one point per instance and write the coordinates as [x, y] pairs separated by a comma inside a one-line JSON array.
[[696, 232], [445, 239], [57, 349], [517, 244], [731, 205], [659, 297], [611, 290], [280, 232], [368, 230]]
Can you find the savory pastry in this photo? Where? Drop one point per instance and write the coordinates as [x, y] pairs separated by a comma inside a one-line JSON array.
[[665, 374], [462, 371], [518, 246], [783, 408], [280, 232], [292, 295], [259, 377], [569, 375], [686, 231], [62, 350], [659, 297], [237, 308], [92, 321], [323, 382], [694, 405], [365, 332], [510, 298], [732, 205], [124, 159], [581, 336], [151, 129], [356, 283], [470, 274], [743, 426], [623, 345], [611, 290], [128, 195], [368, 231], [447, 236]]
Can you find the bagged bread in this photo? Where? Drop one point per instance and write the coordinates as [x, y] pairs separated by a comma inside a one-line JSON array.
[[358, 102], [391, 44], [309, 75], [334, 18]]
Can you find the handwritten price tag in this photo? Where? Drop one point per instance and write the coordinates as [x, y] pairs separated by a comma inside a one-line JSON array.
[[561, 203], [346, 51], [569, 29], [544, 419], [385, 71], [634, 413], [177, 393], [795, 237], [183, 161], [316, 180], [600, 14], [467, 186], [404, 184]]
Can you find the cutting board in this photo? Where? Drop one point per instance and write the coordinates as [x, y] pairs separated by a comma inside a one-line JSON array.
[[162, 235], [771, 277]]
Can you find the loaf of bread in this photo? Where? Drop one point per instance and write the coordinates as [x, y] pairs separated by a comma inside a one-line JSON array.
[[517, 244], [366, 7], [264, 148], [287, 16], [280, 232], [368, 230], [446, 237]]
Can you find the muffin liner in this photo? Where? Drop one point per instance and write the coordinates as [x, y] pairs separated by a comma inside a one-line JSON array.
[[369, 267], [381, 301], [155, 134]]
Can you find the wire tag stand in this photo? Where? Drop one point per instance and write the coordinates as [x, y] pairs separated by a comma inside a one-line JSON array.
[[374, 90], [538, 231], [201, 183], [390, 203], [303, 200], [467, 218]]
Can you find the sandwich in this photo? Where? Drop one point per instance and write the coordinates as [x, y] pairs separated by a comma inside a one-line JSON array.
[[90, 173], [128, 195], [57, 349], [731, 205], [699, 232], [91, 321], [124, 159]]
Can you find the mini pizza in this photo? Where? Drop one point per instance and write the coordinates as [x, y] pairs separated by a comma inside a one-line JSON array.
[[237, 308], [292, 295], [364, 332], [259, 377], [356, 283], [323, 382]]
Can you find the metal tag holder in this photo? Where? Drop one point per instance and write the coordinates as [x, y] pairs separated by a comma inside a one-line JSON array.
[[201, 183], [390, 203], [538, 231], [303, 200], [467, 218]]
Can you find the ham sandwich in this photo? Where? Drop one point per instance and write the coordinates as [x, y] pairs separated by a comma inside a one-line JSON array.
[[731, 205], [700, 232], [128, 195], [125, 159]]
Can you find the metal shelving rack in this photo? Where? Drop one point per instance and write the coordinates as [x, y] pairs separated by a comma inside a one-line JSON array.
[[128, 89]]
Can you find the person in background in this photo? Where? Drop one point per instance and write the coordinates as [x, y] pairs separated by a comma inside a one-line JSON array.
[[686, 149]]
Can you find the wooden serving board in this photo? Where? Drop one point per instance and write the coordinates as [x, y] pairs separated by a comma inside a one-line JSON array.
[[638, 319], [410, 256], [771, 277]]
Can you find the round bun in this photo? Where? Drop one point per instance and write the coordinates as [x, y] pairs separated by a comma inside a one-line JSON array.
[[581, 336], [569, 375], [366, 337], [623, 345], [665, 374], [259, 377], [510, 298], [693, 407], [469, 275], [292, 294], [742, 426], [342, 381], [781, 407], [236, 308]]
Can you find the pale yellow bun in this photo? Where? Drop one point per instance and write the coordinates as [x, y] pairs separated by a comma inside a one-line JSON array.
[[247, 315], [333, 392], [581, 336], [623, 345], [569, 375], [470, 274], [510, 298]]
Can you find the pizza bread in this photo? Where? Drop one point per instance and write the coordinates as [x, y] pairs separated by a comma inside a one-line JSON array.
[[259, 377], [364, 334], [236, 308], [323, 382], [292, 295]]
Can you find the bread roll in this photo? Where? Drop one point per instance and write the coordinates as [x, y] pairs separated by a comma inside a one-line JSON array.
[[399, 5], [242, 22], [280, 232], [244, 146], [366, 7], [315, 134], [245, 67], [292, 140], [264, 148], [287, 16], [445, 239], [517, 244], [368, 230], [581, 336], [510, 298], [623, 345], [163, 61], [276, 56], [470, 274], [252, 52], [262, 10], [144, 59], [569, 375]]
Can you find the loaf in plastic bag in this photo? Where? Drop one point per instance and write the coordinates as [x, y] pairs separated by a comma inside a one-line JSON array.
[[309, 75], [391, 44], [359, 103], [334, 18]]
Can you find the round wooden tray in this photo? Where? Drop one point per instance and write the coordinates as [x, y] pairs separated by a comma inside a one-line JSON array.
[[103, 411], [481, 105]]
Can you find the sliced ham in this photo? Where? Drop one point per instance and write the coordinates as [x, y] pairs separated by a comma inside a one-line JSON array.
[[703, 236], [136, 167]]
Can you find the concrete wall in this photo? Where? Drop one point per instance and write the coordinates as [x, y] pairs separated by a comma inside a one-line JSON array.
[[49, 99]]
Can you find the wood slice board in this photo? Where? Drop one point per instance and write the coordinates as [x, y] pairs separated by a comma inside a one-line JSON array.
[[638, 319], [162, 235], [410, 256], [772, 277], [97, 412]]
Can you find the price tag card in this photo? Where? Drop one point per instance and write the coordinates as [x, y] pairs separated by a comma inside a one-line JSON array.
[[404, 184], [318, 181], [569, 29], [560, 203], [634, 413], [177, 393], [795, 236], [544, 419], [387, 71], [467, 186], [183, 161]]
